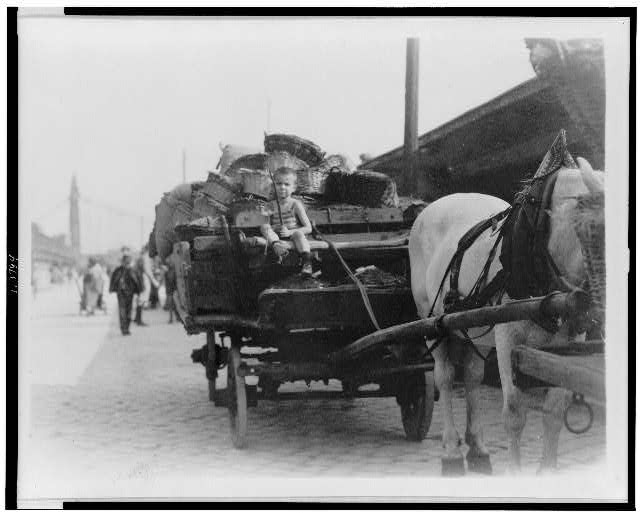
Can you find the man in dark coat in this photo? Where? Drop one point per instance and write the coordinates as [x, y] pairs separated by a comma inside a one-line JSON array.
[[126, 283]]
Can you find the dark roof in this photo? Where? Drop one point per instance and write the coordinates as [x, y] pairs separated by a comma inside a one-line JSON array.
[[492, 147]]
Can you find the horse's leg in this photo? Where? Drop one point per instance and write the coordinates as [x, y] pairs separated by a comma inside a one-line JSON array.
[[513, 407], [555, 404], [452, 461], [478, 455]]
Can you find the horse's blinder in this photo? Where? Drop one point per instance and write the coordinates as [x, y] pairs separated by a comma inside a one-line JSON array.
[[524, 255]]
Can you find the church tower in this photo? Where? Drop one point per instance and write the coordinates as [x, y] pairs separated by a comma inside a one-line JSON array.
[[74, 217]]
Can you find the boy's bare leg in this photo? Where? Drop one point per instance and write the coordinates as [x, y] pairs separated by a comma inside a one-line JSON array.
[[302, 246], [267, 232], [279, 248]]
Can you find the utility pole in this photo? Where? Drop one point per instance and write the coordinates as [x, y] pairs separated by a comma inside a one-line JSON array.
[[74, 218], [411, 178], [141, 231], [184, 165], [268, 115]]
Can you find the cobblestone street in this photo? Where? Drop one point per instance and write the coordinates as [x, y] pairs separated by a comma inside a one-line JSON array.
[[111, 416]]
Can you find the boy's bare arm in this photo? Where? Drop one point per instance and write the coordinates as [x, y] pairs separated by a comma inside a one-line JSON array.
[[301, 213]]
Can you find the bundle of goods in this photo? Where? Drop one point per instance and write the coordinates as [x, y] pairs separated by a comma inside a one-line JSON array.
[[312, 181], [231, 153], [295, 146], [367, 188], [174, 209]]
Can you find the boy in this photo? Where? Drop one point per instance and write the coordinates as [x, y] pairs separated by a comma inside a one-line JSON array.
[[125, 282], [295, 222]]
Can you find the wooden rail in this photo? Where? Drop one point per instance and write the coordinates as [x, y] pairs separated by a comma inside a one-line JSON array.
[[584, 375]]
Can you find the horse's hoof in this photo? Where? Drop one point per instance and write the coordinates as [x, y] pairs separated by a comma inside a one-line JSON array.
[[452, 467], [480, 464]]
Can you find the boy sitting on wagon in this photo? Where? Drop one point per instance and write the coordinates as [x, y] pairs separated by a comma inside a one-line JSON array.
[[289, 220]]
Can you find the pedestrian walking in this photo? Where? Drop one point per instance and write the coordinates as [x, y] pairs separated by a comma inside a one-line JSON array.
[[125, 282], [144, 268], [92, 286]]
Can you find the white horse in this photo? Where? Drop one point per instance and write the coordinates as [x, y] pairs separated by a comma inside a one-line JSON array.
[[432, 243]]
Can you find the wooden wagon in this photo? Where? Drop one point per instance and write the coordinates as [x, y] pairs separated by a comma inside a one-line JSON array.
[[265, 322]]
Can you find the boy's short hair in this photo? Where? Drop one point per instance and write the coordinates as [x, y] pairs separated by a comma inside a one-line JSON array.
[[286, 171]]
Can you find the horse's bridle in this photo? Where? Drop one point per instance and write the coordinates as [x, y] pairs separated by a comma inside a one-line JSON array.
[[525, 255]]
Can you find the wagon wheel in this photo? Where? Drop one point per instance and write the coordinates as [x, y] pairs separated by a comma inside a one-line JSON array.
[[416, 406], [210, 365], [237, 396]]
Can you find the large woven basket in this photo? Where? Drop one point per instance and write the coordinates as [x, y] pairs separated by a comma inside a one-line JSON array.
[[294, 145], [312, 181], [279, 159], [254, 161], [257, 183]]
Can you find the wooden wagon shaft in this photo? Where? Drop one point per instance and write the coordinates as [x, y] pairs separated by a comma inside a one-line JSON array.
[[584, 375], [557, 304]]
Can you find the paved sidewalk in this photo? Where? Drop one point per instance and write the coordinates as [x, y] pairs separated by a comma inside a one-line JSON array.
[[138, 413]]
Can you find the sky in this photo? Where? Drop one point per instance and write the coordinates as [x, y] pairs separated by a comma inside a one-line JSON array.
[[115, 101]]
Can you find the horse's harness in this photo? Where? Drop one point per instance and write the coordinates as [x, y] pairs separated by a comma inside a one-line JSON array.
[[528, 270]]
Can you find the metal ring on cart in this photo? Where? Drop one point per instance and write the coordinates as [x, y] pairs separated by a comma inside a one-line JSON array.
[[578, 400]]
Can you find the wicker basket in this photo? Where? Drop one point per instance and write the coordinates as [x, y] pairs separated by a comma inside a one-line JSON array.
[[257, 183], [253, 161], [312, 181], [296, 146], [280, 159], [204, 205], [220, 188], [367, 188]]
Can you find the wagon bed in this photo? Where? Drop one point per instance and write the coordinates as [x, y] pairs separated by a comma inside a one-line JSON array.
[[266, 324]]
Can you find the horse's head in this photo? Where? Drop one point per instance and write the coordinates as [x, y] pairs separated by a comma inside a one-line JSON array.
[[576, 239]]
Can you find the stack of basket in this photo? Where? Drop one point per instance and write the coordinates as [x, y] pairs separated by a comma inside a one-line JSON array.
[[312, 181], [213, 197]]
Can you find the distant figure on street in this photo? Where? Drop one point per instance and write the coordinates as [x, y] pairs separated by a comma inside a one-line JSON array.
[[125, 282], [154, 296], [92, 286], [101, 284], [144, 268]]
